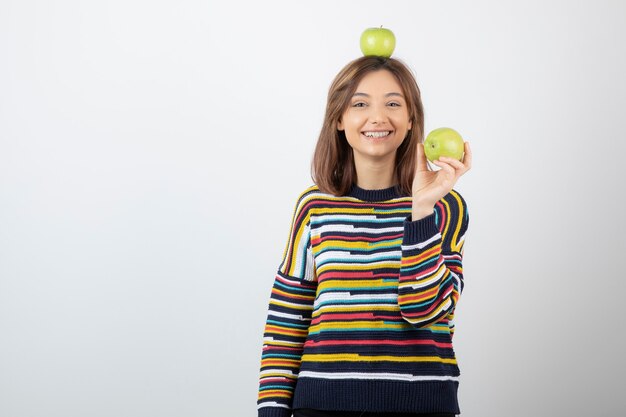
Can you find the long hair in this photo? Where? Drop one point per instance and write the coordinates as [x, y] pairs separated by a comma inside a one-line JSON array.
[[332, 167]]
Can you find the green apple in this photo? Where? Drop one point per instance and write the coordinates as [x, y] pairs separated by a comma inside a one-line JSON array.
[[444, 141], [378, 42]]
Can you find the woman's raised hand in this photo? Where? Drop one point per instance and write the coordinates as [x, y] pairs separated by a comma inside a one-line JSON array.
[[431, 186]]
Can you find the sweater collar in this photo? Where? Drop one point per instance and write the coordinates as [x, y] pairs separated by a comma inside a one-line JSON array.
[[375, 195]]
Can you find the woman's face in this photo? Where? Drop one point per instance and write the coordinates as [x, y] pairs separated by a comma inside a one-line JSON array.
[[377, 118]]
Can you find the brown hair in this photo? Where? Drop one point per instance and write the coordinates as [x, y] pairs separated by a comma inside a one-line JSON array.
[[332, 168]]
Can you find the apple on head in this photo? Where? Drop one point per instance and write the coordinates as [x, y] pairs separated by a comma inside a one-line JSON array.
[[444, 141], [378, 42]]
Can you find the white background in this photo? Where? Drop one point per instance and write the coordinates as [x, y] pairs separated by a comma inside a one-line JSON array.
[[151, 153]]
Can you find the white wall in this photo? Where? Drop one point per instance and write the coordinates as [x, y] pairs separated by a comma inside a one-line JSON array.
[[151, 153]]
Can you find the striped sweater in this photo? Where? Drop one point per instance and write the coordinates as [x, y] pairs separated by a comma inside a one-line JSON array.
[[362, 307]]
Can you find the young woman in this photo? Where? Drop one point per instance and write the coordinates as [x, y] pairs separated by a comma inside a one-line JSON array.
[[360, 318]]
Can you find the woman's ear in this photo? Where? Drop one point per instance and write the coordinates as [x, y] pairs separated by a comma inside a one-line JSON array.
[[410, 123], [339, 125]]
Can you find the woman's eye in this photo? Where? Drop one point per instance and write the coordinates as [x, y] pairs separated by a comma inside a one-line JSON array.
[[359, 104], [394, 104]]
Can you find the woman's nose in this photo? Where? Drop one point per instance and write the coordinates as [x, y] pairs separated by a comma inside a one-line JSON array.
[[378, 115]]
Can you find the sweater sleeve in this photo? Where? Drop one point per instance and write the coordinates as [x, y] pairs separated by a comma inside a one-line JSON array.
[[288, 318], [431, 271]]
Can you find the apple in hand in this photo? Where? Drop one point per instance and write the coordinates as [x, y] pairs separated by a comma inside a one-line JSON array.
[[378, 42], [444, 141]]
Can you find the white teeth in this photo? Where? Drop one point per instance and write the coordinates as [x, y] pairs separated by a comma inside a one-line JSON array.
[[376, 134]]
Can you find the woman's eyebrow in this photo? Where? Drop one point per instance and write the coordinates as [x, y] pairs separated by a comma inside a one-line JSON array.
[[386, 95]]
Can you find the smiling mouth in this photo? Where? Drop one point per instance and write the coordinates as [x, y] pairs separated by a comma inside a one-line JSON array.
[[377, 135]]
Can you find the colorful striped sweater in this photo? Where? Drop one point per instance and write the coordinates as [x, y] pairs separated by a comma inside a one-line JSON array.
[[362, 307]]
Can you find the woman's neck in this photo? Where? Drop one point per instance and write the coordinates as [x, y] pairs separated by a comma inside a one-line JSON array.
[[375, 175]]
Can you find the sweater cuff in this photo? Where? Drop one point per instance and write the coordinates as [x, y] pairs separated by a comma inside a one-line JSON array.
[[274, 412], [419, 230]]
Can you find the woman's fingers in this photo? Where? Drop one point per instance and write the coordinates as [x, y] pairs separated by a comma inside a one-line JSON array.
[[467, 158], [450, 171], [422, 165], [458, 165], [445, 166], [464, 165]]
